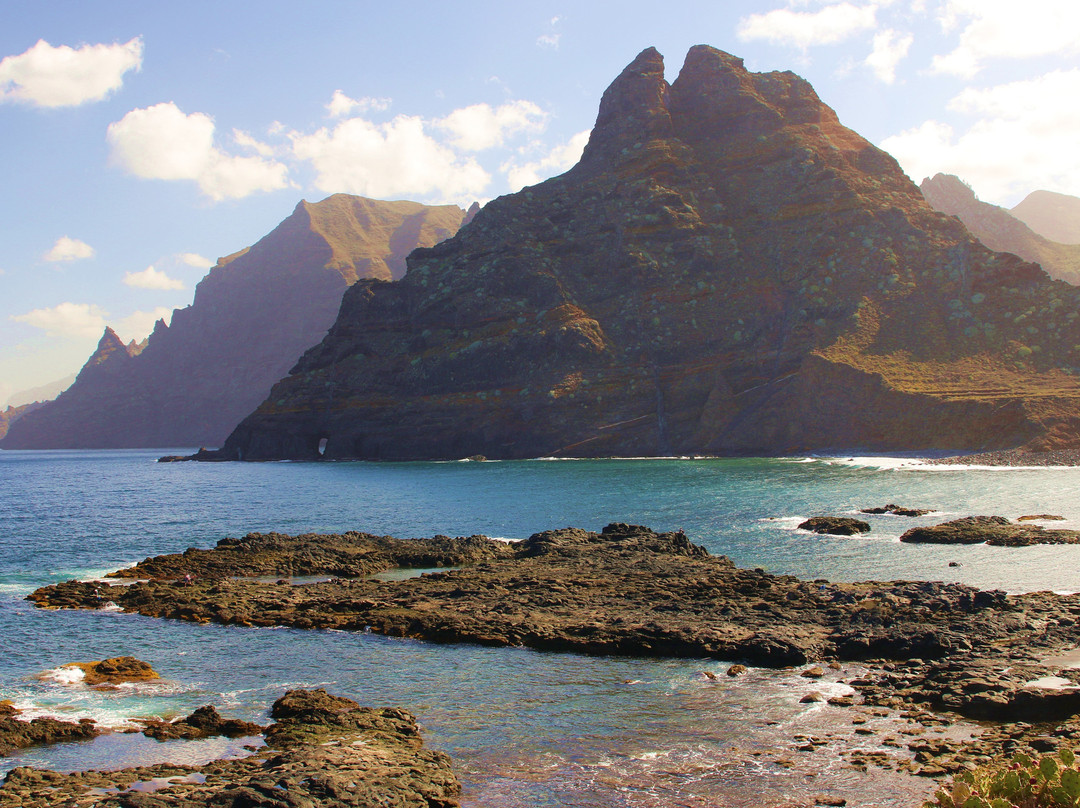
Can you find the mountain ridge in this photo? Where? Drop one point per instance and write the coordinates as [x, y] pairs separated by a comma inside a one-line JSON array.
[[727, 270], [252, 315], [999, 229]]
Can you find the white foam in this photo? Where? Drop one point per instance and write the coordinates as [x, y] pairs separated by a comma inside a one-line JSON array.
[[782, 522], [65, 675]]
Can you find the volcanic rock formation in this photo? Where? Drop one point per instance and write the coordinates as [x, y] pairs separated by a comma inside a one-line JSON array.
[[252, 316], [999, 229], [728, 269]]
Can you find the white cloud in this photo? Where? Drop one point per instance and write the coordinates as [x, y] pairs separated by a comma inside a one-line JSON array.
[[558, 160], [341, 105], [479, 127], [48, 76], [195, 260], [387, 160], [137, 325], [827, 26], [993, 29], [246, 141], [890, 48], [69, 249], [161, 142], [1023, 138], [548, 40], [66, 320], [151, 278]]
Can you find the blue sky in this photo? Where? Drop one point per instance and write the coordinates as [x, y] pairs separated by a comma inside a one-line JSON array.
[[141, 141]]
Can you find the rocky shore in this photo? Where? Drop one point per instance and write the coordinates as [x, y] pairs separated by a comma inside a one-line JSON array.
[[1012, 457], [321, 750], [625, 591], [926, 651]]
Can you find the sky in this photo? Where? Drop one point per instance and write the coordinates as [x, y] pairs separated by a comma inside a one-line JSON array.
[[141, 141]]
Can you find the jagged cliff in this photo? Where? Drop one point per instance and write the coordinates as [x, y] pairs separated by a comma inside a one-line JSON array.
[[999, 230], [1052, 215], [252, 316], [728, 269]]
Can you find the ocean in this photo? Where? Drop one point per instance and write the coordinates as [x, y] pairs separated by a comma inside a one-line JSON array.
[[523, 727]]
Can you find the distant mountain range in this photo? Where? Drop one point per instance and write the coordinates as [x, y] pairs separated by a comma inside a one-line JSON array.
[[727, 270], [1000, 229], [1051, 215], [252, 316]]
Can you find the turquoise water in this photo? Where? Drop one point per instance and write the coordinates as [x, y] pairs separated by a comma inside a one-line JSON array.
[[524, 728]]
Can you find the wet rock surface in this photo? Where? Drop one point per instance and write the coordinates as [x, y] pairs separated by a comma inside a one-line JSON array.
[[896, 510], [205, 722], [16, 733], [993, 530], [835, 525], [322, 750]]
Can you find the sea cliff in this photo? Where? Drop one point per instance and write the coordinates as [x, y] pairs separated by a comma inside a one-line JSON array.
[[727, 270]]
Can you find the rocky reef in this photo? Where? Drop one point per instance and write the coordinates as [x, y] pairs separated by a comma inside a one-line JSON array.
[[631, 591], [727, 270], [999, 229], [252, 316], [322, 750]]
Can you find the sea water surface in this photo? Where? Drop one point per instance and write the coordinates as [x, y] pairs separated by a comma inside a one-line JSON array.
[[523, 728]]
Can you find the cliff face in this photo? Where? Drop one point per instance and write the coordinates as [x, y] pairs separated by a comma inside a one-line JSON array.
[[999, 229], [727, 270], [252, 316], [1051, 215]]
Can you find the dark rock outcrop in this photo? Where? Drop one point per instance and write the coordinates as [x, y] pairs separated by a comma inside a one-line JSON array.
[[835, 525], [999, 229], [322, 750], [1052, 215], [205, 722], [727, 270], [993, 530], [252, 316], [897, 510], [18, 734]]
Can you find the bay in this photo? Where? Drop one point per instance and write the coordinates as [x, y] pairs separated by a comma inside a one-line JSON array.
[[524, 728]]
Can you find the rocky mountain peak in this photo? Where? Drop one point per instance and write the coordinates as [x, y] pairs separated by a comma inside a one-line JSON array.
[[633, 111], [110, 354], [945, 191]]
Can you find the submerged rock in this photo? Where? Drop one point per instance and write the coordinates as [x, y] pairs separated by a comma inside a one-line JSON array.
[[897, 510], [835, 525]]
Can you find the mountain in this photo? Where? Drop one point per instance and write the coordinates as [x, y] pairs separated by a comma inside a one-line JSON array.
[[1051, 215], [11, 414], [727, 270], [46, 392], [999, 229], [252, 316]]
